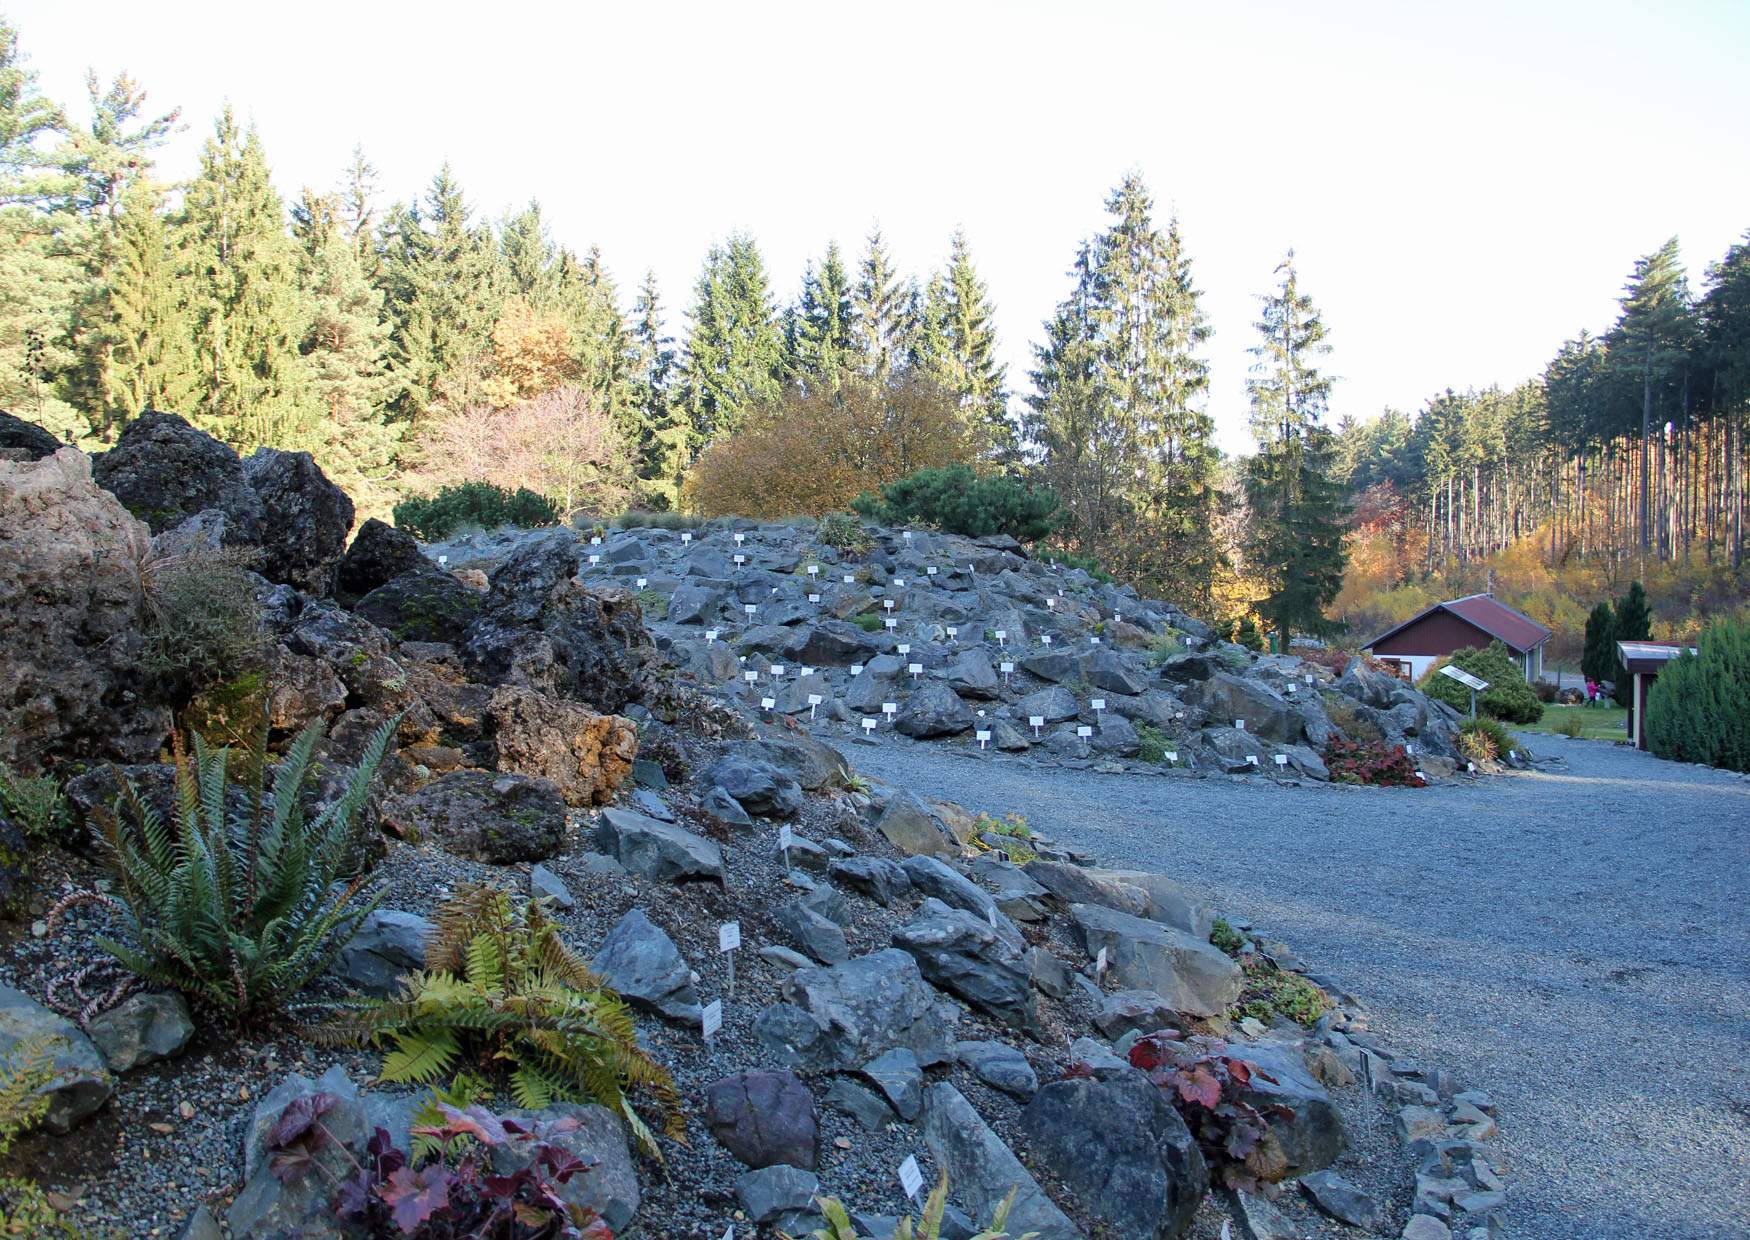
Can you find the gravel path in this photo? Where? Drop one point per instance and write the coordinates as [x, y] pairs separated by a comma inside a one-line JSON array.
[[1576, 941]]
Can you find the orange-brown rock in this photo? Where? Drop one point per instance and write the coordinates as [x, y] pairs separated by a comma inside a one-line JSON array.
[[586, 755]]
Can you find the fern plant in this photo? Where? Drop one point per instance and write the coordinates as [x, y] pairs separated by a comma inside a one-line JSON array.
[[838, 1219], [501, 993], [238, 909]]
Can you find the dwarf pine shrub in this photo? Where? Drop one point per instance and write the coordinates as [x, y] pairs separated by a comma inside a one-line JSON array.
[[1508, 697], [1699, 708]]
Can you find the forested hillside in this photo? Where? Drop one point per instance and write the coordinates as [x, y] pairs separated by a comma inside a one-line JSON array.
[[414, 343]]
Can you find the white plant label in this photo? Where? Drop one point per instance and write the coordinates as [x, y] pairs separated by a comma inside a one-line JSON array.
[[1084, 731], [1006, 667], [786, 837], [990, 915], [814, 699], [1098, 704], [906, 535], [856, 669], [890, 709], [740, 559], [1409, 748], [953, 632], [729, 936], [1051, 604], [814, 598], [814, 570], [1252, 758], [686, 536], [750, 608], [595, 559], [1172, 755], [1100, 962], [887, 604], [1095, 640], [916, 669], [1046, 639], [1421, 777], [750, 677], [710, 636], [1240, 724], [899, 581], [713, 1018], [890, 623], [1309, 680], [911, 1179], [442, 560], [868, 724], [1281, 759], [596, 541], [849, 579], [806, 672], [1002, 636], [777, 671], [1036, 722], [983, 738], [740, 538], [768, 703], [931, 571], [903, 647]]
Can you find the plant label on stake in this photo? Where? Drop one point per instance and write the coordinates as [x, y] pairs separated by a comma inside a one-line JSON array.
[[983, 736], [856, 669], [916, 669], [1037, 722], [740, 538], [686, 536], [713, 1020], [740, 559], [814, 570], [1252, 758], [710, 636], [903, 647], [1281, 759], [931, 570], [953, 632], [767, 703], [777, 671], [748, 609], [911, 1179], [1099, 705], [785, 838], [814, 700], [890, 623], [1172, 755], [443, 560], [814, 598], [1006, 668], [887, 604], [899, 581], [595, 540], [751, 677], [642, 582], [1084, 731], [890, 709], [849, 579], [1095, 640], [1046, 639], [1100, 963], [1240, 725], [595, 559], [869, 725], [1002, 637]]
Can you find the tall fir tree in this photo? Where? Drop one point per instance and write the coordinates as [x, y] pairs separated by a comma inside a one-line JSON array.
[[661, 449], [443, 294], [32, 173], [1297, 510], [248, 318], [823, 340], [957, 350], [1632, 621], [735, 351], [600, 340], [530, 258], [881, 307]]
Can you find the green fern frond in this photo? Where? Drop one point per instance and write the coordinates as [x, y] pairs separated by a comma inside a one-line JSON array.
[[419, 1057]]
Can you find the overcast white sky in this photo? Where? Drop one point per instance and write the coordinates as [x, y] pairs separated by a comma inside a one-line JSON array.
[[1465, 184]]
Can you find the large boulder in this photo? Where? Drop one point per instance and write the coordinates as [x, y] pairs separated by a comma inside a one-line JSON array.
[[1264, 711], [972, 676], [542, 629], [965, 956], [657, 850], [765, 1119], [1122, 1149], [499, 818], [914, 828], [1306, 1129], [25, 441], [164, 471], [840, 1017], [758, 786], [1192, 976], [832, 643], [379, 554], [80, 1083], [1106, 669], [587, 756], [305, 519], [933, 710], [982, 1171], [389, 945], [73, 608], [642, 964], [424, 604]]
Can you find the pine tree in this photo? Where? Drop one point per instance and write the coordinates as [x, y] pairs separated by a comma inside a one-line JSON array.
[[116, 150], [734, 354], [1652, 338], [248, 316], [958, 351], [883, 327], [31, 173], [1297, 510], [824, 329]]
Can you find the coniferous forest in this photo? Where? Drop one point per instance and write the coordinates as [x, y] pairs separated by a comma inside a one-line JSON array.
[[411, 343]]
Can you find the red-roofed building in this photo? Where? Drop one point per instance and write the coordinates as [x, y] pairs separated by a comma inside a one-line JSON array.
[[1468, 623]]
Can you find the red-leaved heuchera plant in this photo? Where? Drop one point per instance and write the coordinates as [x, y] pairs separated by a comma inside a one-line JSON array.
[[1207, 1086]]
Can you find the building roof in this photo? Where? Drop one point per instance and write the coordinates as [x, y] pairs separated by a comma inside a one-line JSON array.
[[1648, 656], [1518, 631]]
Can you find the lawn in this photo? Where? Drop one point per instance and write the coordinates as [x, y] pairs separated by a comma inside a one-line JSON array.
[[1609, 723]]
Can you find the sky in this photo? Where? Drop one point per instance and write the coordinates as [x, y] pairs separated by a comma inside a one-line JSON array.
[[1464, 185]]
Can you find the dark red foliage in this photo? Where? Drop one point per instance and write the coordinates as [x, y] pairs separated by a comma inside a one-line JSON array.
[[452, 1196], [1370, 762], [1207, 1087]]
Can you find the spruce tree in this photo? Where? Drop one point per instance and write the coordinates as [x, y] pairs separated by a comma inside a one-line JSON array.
[[957, 313], [1633, 622], [31, 171], [605, 351], [824, 323], [1598, 661], [735, 353], [661, 449], [880, 306], [346, 340], [1295, 541], [248, 318], [529, 257]]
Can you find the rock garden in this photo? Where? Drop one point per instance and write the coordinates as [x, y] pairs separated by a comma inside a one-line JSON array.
[[525, 885]]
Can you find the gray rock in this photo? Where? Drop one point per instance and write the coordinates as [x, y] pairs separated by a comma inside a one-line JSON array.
[[659, 851], [597, 1137], [142, 1029], [1310, 1136], [424, 604], [1188, 973], [833, 643], [1256, 1219], [876, 877], [1132, 1011], [899, 1076], [1425, 1227], [1056, 666], [759, 786], [769, 1192], [764, 1119], [933, 710], [492, 817], [1048, 974], [720, 805], [164, 471], [642, 963], [81, 1084], [913, 828], [933, 877], [861, 1103], [841, 1017], [812, 933], [1105, 669], [1000, 1066], [389, 945], [28, 439], [1120, 1145], [982, 1170], [972, 676], [1266, 713], [784, 956], [1098, 1056], [305, 519], [964, 955], [546, 885], [1340, 1199], [379, 554], [202, 1225], [1055, 703]]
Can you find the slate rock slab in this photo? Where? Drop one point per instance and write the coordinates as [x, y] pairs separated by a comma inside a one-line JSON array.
[[660, 851], [982, 1170], [840, 1017], [1311, 1136], [642, 963], [967, 957], [1189, 974], [1000, 1066], [389, 945], [142, 1029], [1335, 1196], [81, 1083], [764, 1118]]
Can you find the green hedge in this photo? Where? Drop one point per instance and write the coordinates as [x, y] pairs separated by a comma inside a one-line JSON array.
[[1698, 710], [474, 503], [1507, 697], [955, 499]]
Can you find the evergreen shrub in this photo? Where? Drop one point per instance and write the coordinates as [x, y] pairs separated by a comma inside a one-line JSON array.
[[955, 499], [1508, 697], [1698, 710], [474, 503]]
